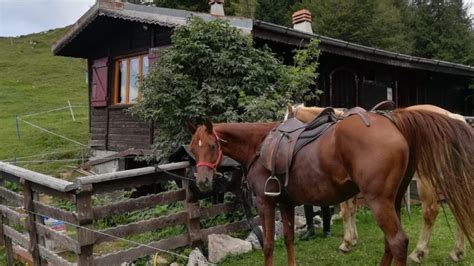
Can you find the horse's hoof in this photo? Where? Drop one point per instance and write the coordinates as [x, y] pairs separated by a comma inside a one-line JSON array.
[[416, 257], [344, 248], [456, 256], [308, 235]]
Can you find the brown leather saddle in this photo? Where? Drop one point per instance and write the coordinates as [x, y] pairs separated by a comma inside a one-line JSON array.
[[285, 140]]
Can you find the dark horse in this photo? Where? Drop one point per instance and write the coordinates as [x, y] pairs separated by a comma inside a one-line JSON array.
[[378, 161]]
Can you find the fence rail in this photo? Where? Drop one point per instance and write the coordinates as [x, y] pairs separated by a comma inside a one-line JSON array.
[[22, 212]]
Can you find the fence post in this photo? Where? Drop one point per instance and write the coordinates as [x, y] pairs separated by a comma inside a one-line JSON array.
[[84, 219], [31, 221], [193, 221], [5, 240]]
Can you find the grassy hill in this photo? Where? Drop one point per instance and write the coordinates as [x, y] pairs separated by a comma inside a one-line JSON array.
[[32, 80]]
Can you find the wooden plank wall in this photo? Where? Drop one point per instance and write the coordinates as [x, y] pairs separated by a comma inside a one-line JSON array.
[[126, 131]]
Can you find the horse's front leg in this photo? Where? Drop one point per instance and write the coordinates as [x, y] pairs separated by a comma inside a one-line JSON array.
[[347, 221], [266, 211], [288, 219], [457, 253]]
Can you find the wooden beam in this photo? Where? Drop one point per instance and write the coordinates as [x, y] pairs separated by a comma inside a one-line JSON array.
[[59, 238], [141, 251], [139, 203], [84, 219], [34, 177], [11, 196], [141, 226], [224, 229], [58, 214], [23, 241], [31, 222], [129, 173], [13, 216]]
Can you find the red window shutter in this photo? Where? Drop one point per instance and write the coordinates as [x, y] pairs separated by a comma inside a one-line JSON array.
[[99, 82]]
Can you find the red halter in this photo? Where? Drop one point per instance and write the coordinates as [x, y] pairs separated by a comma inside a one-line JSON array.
[[219, 156]]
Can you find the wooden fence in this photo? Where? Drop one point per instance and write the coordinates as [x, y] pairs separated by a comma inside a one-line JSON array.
[[24, 211]]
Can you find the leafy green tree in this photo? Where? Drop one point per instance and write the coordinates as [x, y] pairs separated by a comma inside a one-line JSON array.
[[443, 30], [230, 6], [274, 11], [213, 70], [375, 23]]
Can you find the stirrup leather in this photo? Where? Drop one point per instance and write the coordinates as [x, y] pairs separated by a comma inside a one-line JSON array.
[[272, 194]]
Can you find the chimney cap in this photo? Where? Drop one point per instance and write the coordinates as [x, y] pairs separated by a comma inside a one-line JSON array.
[[301, 16], [211, 2]]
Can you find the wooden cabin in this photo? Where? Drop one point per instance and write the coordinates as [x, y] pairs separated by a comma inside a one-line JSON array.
[[122, 40]]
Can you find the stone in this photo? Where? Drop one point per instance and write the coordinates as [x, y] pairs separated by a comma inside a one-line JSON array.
[[252, 238], [175, 264], [221, 246], [300, 222], [196, 258]]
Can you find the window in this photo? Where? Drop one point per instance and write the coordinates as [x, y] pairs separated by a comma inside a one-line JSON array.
[[129, 73]]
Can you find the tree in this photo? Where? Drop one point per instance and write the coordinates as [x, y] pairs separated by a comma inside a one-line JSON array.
[[274, 11], [442, 30], [213, 70], [375, 23]]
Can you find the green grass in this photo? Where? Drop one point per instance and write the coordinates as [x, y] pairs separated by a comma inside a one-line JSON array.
[[33, 80], [369, 249]]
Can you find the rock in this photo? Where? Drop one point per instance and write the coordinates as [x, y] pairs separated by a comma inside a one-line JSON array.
[[196, 258], [318, 221], [221, 246], [159, 260], [252, 238], [278, 230], [175, 264], [300, 222]]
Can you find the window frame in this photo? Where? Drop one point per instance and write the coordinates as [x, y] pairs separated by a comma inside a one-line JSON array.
[[116, 81]]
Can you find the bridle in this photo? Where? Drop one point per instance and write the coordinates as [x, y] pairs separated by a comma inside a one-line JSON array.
[[219, 155]]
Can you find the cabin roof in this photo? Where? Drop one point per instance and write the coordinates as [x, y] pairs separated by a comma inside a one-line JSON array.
[[138, 13], [282, 34], [260, 29]]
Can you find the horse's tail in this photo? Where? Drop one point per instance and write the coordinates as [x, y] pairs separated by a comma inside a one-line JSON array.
[[443, 149]]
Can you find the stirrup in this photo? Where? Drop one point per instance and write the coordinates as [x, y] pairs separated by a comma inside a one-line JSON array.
[[272, 194]]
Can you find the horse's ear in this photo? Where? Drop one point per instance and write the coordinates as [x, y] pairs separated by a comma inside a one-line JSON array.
[[290, 111], [208, 124], [192, 128]]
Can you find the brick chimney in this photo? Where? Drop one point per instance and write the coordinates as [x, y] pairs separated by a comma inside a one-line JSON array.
[[217, 7], [302, 21]]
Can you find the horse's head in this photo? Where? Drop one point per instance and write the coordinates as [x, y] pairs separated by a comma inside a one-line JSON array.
[[208, 154], [292, 110]]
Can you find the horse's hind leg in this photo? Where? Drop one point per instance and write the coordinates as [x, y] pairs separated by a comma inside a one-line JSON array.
[[288, 219], [348, 212], [430, 207], [457, 253], [266, 211], [396, 242]]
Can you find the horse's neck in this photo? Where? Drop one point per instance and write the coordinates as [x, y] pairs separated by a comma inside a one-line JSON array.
[[241, 140]]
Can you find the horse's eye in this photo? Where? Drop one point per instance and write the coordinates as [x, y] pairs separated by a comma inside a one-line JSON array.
[[213, 146]]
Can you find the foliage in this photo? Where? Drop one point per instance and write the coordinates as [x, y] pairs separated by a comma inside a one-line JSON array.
[[274, 11], [443, 30], [213, 70], [367, 22]]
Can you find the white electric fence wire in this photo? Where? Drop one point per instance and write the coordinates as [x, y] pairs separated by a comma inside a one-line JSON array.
[[56, 109], [120, 238], [52, 133], [40, 154]]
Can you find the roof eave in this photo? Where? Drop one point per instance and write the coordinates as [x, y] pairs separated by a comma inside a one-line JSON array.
[[336, 46]]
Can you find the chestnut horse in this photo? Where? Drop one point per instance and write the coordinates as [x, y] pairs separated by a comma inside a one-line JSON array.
[[350, 158], [426, 192]]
